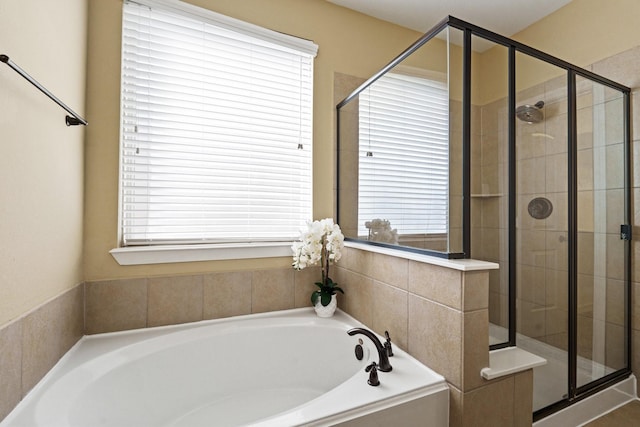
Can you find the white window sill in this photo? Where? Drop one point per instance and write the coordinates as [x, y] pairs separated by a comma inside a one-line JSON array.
[[137, 255]]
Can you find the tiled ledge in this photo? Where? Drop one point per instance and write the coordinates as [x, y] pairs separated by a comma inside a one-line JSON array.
[[510, 360], [455, 264]]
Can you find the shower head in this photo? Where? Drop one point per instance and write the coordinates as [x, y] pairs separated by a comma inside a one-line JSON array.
[[530, 113]]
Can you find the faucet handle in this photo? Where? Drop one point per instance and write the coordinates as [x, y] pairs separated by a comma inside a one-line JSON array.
[[387, 344], [373, 374]]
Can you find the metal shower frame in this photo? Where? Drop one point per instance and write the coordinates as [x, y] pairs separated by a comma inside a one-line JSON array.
[[575, 393]]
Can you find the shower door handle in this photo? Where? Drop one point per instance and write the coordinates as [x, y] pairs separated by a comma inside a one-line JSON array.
[[625, 231]]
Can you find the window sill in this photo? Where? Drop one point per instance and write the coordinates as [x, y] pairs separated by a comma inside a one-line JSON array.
[[139, 255]]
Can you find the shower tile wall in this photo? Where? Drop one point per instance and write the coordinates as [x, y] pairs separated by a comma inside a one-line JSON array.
[[541, 243], [489, 201], [455, 177], [541, 249], [343, 85]]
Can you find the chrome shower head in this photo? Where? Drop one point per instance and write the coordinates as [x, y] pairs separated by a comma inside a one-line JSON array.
[[530, 113]]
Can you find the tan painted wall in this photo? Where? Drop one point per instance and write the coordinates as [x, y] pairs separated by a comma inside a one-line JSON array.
[[585, 31], [41, 159], [348, 42], [581, 33]]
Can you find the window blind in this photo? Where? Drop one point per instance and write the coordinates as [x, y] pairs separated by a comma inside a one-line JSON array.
[[404, 154], [216, 128]]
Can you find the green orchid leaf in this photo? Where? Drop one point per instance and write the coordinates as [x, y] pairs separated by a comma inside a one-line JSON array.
[[325, 299], [314, 297]]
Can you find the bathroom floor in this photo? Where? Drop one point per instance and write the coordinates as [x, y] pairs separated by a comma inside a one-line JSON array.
[[625, 416]]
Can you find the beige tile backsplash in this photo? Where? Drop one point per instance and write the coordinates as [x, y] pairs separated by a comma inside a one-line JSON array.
[[138, 303], [115, 305], [172, 300], [435, 337], [390, 309], [390, 270], [226, 294], [438, 284], [10, 367], [272, 290], [32, 344]]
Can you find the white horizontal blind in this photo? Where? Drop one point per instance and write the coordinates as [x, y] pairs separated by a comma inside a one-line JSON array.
[[216, 131], [404, 154]]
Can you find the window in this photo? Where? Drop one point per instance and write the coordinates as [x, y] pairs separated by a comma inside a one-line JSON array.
[[216, 128], [404, 160]]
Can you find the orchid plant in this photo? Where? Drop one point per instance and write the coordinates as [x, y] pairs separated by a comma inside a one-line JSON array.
[[321, 243]]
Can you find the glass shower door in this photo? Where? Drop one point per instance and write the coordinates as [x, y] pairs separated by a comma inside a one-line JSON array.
[[542, 250], [601, 206]]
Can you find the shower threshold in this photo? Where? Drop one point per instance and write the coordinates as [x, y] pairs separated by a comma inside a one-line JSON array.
[[593, 407]]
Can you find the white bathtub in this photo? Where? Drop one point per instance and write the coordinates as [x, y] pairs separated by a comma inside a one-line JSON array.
[[286, 368]]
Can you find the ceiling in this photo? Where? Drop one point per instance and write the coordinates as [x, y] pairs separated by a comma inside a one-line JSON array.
[[505, 17]]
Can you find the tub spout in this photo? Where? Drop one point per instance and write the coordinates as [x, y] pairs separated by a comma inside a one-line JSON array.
[[383, 364]]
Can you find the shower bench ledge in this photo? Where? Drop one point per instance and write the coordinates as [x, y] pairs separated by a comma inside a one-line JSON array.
[[510, 360]]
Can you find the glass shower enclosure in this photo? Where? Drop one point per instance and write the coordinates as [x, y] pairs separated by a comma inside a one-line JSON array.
[[532, 173]]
